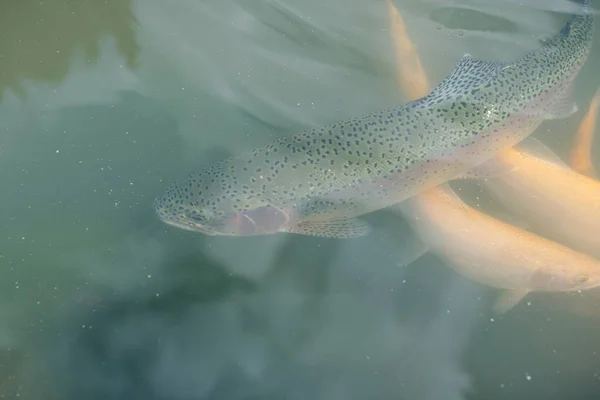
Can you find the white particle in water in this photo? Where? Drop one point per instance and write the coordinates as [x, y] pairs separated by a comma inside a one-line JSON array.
[[527, 376]]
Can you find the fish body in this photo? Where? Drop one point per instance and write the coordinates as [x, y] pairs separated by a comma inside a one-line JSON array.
[[495, 253], [581, 154], [541, 190], [317, 181]]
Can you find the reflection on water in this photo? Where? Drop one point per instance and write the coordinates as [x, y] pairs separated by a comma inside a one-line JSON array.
[[42, 37], [101, 300]]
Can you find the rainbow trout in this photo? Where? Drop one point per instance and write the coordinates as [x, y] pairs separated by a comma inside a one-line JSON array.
[[317, 182]]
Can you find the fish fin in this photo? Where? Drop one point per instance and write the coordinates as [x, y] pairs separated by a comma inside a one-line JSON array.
[[508, 299], [486, 170], [467, 62], [537, 149], [414, 255], [342, 229], [562, 106], [474, 72]]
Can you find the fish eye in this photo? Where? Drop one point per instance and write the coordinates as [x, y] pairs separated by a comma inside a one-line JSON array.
[[582, 278]]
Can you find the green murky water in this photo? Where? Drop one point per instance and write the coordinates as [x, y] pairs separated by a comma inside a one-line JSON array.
[[104, 103]]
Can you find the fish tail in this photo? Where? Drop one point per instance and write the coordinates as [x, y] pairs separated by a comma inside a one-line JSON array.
[[586, 9], [586, 5], [580, 26]]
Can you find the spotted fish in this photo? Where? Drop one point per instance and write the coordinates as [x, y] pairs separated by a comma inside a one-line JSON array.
[[317, 182]]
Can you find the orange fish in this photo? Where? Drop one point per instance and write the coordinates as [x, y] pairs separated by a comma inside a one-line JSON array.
[[543, 191], [495, 253], [410, 73], [581, 159]]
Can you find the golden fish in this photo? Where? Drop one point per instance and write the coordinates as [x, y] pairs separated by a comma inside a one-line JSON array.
[[495, 253], [581, 159], [543, 191]]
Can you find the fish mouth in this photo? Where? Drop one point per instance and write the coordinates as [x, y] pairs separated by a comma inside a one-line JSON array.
[[188, 226], [263, 220]]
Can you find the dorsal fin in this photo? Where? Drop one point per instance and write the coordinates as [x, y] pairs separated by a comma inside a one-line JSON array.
[[469, 74]]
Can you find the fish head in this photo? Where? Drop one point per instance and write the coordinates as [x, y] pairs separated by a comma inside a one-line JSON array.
[[568, 278], [219, 213]]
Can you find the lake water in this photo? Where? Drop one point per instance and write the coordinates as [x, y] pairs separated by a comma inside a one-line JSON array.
[[106, 103]]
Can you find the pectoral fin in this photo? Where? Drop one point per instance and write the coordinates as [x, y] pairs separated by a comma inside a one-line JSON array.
[[562, 106], [539, 150], [342, 229], [412, 255], [508, 299], [487, 170]]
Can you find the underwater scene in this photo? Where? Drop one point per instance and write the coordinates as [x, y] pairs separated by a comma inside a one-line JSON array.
[[278, 199]]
